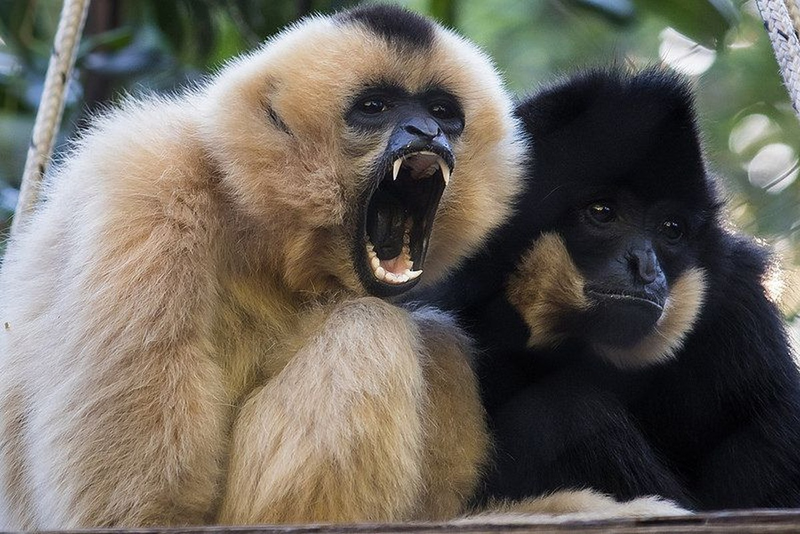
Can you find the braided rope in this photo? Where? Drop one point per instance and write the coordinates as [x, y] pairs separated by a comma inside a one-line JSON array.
[[782, 21], [51, 108]]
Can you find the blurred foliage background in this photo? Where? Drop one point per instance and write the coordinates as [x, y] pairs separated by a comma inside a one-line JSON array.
[[752, 134]]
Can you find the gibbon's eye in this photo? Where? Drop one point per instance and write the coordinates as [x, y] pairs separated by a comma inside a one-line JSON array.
[[671, 229], [601, 212], [373, 105], [443, 110]]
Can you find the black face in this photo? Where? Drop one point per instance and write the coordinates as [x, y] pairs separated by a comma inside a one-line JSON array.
[[628, 252], [408, 181]]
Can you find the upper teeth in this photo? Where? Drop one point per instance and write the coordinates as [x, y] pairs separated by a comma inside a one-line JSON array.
[[445, 171], [396, 167], [398, 163]]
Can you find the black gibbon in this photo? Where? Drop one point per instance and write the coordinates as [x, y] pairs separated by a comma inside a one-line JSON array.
[[629, 344], [191, 333]]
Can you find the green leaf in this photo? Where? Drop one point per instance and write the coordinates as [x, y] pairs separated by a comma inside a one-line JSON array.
[[703, 21], [15, 134], [620, 11], [444, 11], [168, 18], [111, 40]]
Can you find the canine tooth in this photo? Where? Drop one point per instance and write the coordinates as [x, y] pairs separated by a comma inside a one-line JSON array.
[[395, 278], [445, 171], [412, 274], [371, 254], [396, 168]]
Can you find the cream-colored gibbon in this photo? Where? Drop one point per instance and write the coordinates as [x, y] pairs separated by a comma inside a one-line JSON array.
[[195, 328], [191, 329]]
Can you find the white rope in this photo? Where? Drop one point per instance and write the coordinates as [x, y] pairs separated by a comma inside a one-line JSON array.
[[51, 107], [782, 21]]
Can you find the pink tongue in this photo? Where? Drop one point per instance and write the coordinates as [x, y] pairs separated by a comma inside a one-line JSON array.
[[396, 265]]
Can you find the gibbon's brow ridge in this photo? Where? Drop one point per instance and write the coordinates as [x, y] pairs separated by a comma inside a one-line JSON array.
[[395, 24]]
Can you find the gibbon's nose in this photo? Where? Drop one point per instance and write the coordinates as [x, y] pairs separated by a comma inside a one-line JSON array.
[[644, 264], [419, 133], [423, 127]]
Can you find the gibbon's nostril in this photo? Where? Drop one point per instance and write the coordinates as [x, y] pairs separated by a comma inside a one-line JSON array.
[[645, 265], [423, 128]]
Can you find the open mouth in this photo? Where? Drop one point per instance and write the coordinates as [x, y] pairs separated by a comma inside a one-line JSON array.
[[399, 217]]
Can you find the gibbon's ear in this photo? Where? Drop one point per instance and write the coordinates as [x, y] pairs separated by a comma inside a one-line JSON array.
[[269, 105]]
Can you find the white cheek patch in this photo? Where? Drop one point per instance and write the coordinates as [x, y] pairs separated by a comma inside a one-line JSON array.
[[681, 311]]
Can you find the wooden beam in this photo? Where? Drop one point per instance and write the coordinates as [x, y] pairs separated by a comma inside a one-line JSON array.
[[739, 522]]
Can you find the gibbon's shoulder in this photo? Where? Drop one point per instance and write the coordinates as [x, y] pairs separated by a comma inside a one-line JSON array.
[[737, 264], [128, 148]]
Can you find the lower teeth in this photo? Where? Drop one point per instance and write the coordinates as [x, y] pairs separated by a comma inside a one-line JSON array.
[[388, 276]]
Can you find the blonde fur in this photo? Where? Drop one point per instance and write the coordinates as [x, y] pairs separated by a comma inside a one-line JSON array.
[[579, 505], [546, 287], [457, 441], [186, 340]]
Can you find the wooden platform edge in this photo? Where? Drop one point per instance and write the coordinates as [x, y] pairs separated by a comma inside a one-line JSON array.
[[750, 521]]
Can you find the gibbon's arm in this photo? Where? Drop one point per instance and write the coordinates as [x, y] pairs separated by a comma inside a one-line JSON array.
[[126, 413], [457, 442], [339, 434], [756, 467], [564, 432], [758, 464]]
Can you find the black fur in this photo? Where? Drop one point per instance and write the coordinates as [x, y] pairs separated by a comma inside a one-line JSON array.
[[394, 24], [717, 426]]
